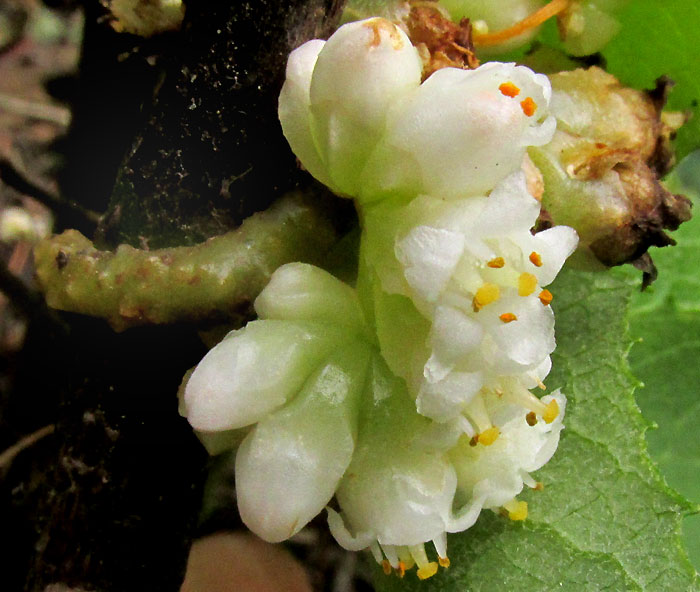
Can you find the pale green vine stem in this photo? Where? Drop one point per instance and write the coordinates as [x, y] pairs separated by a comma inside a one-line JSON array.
[[215, 279]]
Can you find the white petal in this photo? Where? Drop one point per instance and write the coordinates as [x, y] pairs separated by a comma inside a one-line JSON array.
[[446, 399], [298, 292], [528, 340], [429, 256], [454, 334], [554, 245], [346, 540], [463, 132], [510, 207], [253, 371], [294, 109], [289, 466], [364, 68], [394, 487]]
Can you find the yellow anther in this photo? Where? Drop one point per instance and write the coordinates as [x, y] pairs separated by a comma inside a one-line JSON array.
[[427, 571], [546, 297], [517, 511], [488, 437], [487, 294], [401, 569], [536, 259], [444, 562], [551, 412], [386, 566], [526, 284], [509, 89], [497, 263], [528, 106], [531, 418], [508, 317]]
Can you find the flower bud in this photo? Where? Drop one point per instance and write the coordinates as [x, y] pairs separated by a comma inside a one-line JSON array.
[[289, 466]]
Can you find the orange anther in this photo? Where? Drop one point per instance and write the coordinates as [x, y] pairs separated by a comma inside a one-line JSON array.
[[497, 263], [536, 259], [386, 566], [509, 89], [546, 297], [508, 317], [528, 106]]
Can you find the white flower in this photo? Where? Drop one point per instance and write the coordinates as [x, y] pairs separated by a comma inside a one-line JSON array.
[[462, 131], [356, 114], [474, 271], [501, 468], [398, 491], [299, 374], [333, 105]]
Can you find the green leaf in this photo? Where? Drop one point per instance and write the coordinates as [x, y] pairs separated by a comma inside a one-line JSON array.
[[660, 38], [666, 320], [605, 520]]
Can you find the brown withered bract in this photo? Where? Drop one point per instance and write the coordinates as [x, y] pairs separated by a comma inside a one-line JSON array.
[[441, 42], [611, 147]]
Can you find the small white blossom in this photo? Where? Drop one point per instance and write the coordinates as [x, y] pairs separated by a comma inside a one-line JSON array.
[[398, 492], [500, 469], [356, 114], [298, 375], [475, 272]]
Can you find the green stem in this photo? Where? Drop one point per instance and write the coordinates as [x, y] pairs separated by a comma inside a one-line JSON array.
[[217, 279]]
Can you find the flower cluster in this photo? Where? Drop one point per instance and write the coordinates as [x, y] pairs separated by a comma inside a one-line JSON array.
[[408, 397]]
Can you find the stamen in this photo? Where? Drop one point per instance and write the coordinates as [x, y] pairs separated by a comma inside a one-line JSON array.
[[539, 486], [536, 259], [528, 480], [525, 398], [528, 106], [440, 542], [527, 283], [509, 89], [487, 294], [466, 427], [498, 262], [517, 511], [530, 22], [427, 571], [402, 569], [551, 412], [386, 566], [546, 297], [476, 410], [508, 317], [531, 418], [444, 562], [377, 553], [406, 558], [392, 557], [488, 437]]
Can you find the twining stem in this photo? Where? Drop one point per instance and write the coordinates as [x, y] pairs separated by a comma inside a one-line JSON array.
[[538, 17], [9, 455], [215, 279]]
